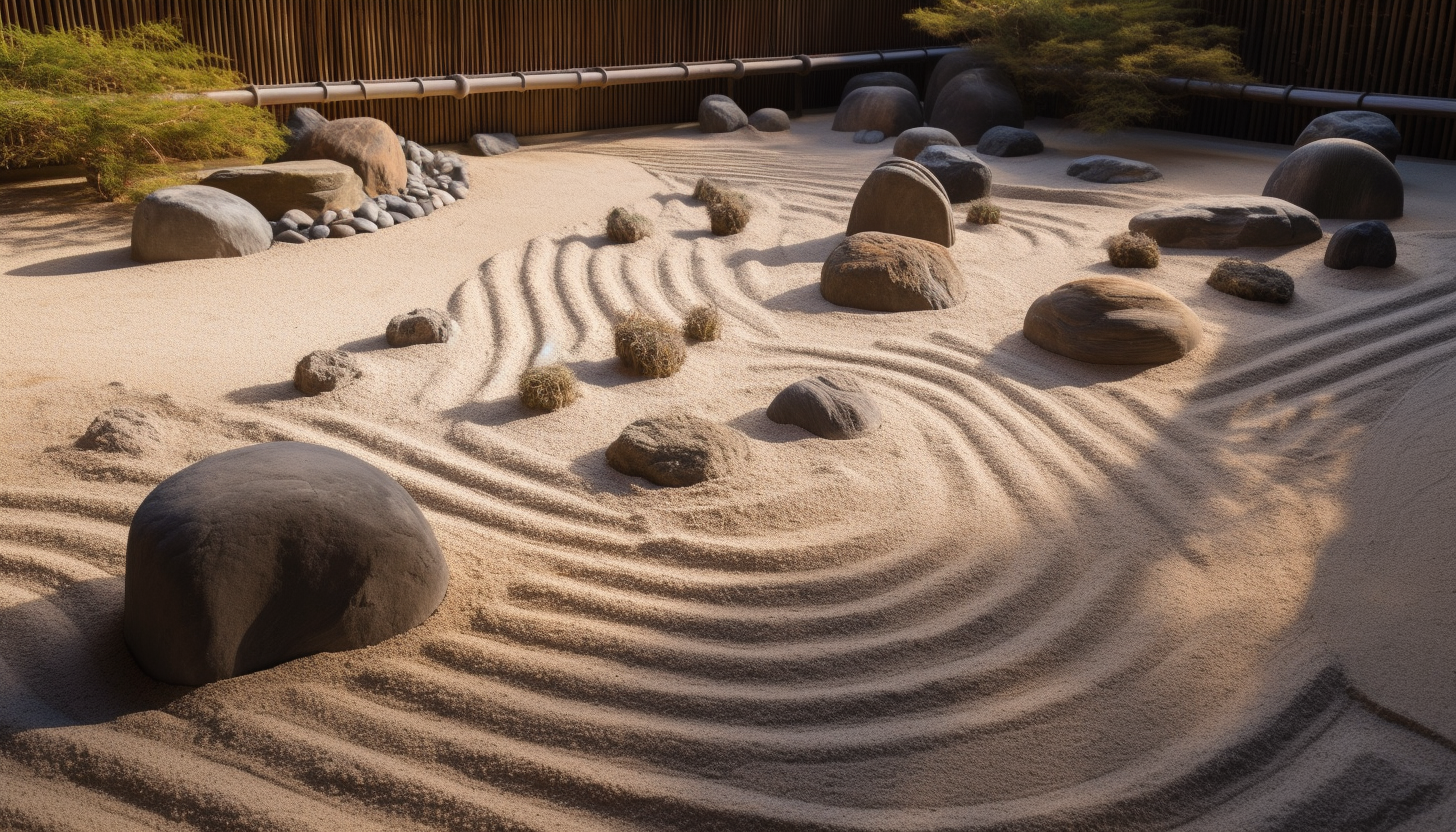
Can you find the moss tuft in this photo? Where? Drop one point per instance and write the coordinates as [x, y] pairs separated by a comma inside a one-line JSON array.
[[983, 212], [729, 213], [623, 226], [703, 323], [1133, 250], [551, 387], [649, 346]]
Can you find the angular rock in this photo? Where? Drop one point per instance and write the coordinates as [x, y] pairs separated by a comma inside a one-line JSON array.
[[769, 120], [677, 450], [1229, 222], [493, 144], [270, 552], [1009, 141], [880, 79], [1373, 129], [195, 222], [1113, 320], [914, 141], [974, 102], [367, 145], [1252, 281], [322, 371], [1339, 178], [951, 66], [902, 197], [720, 114], [122, 430], [868, 137], [829, 406], [889, 110], [308, 188], [418, 326], [890, 273], [1113, 170], [1368, 243], [964, 177]]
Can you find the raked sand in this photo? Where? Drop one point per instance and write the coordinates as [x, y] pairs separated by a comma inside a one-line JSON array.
[[1212, 595]]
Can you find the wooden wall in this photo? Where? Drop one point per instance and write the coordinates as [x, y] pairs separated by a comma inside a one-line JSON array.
[[287, 41]]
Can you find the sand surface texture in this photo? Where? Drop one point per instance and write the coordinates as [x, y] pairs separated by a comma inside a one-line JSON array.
[[1044, 595]]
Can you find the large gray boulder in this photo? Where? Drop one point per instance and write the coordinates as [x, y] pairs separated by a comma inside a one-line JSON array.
[[493, 144], [1113, 320], [1368, 243], [964, 177], [947, 68], [890, 273], [367, 145], [1009, 141], [720, 114], [880, 79], [270, 552], [888, 110], [1373, 129], [974, 102], [829, 406], [902, 197], [1340, 178], [677, 450], [311, 187], [1112, 170], [769, 120], [195, 222], [914, 141], [1229, 222]]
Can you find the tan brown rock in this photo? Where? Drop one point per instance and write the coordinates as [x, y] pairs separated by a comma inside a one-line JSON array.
[[889, 273], [367, 145], [1113, 320]]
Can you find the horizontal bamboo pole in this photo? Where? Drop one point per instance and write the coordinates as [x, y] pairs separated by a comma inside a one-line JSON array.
[[1412, 105]]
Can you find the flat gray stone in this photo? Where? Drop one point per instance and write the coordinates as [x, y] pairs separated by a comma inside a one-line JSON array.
[[196, 222], [291, 189], [1341, 178], [964, 177], [1112, 170], [1229, 222], [1009, 141], [832, 406], [270, 552], [902, 197], [294, 237], [493, 144]]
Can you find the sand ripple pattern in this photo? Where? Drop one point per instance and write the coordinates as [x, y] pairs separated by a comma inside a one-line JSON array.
[[1008, 610]]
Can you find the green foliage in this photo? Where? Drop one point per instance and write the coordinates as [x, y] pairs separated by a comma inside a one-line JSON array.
[[983, 212], [118, 107], [1103, 56]]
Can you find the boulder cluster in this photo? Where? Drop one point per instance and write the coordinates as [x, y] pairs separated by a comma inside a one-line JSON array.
[[721, 114]]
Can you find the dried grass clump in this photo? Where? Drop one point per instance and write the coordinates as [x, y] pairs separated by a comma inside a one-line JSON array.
[[551, 387], [984, 212], [624, 226], [650, 346], [703, 323], [708, 190], [728, 214], [1133, 250]]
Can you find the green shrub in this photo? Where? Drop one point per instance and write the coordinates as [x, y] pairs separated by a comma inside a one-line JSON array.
[[983, 212], [118, 107]]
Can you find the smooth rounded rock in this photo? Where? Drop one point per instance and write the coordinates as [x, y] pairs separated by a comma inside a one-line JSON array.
[[1009, 141], [914, 141], [1113, 320], [1252, 281], [1374, 129], [974, 102], [868, 137], [122, 430], [1112, 170], [949, 67], [322, 371], [1229, 222], [293, 237], [418, 326], [1339, 178], [831, 406], [493, 144], [195, 222], [291, 189], [677, 450], [1368, 243], [902, 197], [888, 110], [720, 114], [880, 79], [769, 120], [367, 145], [340, 230], [890, 273], [319, 232], [964, 177], [301, 122], [271, 552], [301, 219]]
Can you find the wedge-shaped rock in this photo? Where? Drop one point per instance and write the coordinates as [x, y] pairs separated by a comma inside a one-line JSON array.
[[270, 552], [1229, 222], [677, 450], [888, 110], [829, 406], [1113, 320], [902, 197], [890, 273], [1340, 178], [311, 187]]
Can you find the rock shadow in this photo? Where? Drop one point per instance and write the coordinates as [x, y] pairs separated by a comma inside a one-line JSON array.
[[278, 391], [1017, 358], [113, 259], [755, 424], [808, 251]]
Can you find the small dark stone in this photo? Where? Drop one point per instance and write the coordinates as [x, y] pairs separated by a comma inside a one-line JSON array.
[[418, 326], [318, 232], [1009, 141], [829, 406], [121, 430], [399, 217], [1368, 243], [324, 370], [1252, 281], [1229, 222], [964, 177], [720, 114], [677, 450], [1113, 170]]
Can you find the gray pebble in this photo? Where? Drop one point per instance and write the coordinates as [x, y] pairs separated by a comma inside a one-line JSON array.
[[458, 190], [318, 232], [298, 218], [399, 217], [384, 220], [363, 226], [290, 237], [339, 229], [327, 218]]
